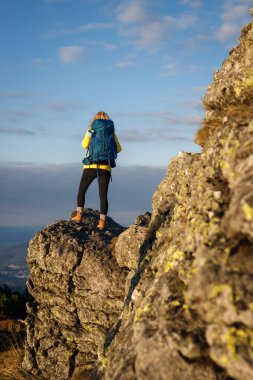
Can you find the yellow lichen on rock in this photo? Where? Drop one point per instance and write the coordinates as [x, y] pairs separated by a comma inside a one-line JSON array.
[[221, 288], [248, 211], [141, 312], [236, 338], [174, 257]]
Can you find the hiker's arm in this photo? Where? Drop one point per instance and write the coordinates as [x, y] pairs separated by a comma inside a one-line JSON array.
[[86, 140], [119, 149]]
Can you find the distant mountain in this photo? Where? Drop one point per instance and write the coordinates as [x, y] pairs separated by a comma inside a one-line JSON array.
[[14, 255], [13, 267], [14, 276], [10, 236], [13, 250]]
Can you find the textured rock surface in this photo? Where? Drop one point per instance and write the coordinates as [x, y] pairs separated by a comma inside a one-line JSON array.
[[231, 94], [78, 290], [189, 313]]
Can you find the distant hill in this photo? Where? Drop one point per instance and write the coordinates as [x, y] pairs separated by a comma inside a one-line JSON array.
[[13, 250], [15, 254], [10, 236]]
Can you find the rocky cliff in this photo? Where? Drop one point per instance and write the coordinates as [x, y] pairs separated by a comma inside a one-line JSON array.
[[77, 291], [172, 296]]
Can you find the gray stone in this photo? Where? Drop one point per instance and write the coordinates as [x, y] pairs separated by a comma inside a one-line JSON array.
[[78, 290]]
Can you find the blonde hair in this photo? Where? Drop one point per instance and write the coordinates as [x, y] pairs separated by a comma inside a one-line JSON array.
[[99, 115]]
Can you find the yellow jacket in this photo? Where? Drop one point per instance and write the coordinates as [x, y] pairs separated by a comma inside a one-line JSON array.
[[85, 145]]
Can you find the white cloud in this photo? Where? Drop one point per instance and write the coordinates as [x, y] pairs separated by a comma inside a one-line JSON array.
[[184, 21], [15, 94], [164, 118], [141, 114], [125, 62], [96, 26], [170, 69], [17, 114], [71, 54], [65, 31], [132, 12], [17, 131], [228, 31], [173, 68], [58, 33], [142, 27], [196, 4], [151, 34], [58, 106], [154, 134], [149, 30], [109, 46], [234, 16], [235, 12], [38, 62]]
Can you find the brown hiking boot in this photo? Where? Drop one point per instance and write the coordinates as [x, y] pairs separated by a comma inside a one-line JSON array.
[[76, 216], [101, 224]]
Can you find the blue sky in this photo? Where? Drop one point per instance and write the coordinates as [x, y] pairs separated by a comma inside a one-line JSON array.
[[146, 63]]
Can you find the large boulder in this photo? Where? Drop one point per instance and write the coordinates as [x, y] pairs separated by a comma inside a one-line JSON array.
[[77, 292]]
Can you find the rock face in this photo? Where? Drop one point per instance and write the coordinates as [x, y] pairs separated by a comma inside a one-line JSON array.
[[172, 297], [190, 309], [78, 290], [231, 95]]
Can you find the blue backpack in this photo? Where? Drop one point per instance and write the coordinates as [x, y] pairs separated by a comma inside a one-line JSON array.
[[102, 147]]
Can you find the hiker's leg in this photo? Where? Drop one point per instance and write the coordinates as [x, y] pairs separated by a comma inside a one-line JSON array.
[[103, 181], [88, 176]]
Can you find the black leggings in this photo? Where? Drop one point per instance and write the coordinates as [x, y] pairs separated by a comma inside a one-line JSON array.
[[103, 182]]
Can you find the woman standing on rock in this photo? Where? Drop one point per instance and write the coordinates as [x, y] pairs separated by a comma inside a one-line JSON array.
[[102, 147]]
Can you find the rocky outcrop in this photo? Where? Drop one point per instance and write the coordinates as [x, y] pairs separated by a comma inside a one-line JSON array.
[[190, 313], [231, 93], [171, 297], [77, 291]]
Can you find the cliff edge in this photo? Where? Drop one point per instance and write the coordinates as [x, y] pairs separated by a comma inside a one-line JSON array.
[[171, 297]]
